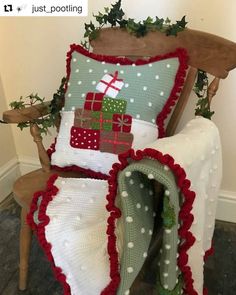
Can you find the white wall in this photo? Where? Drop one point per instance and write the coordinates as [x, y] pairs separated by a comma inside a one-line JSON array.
[[8, 157], [33, 50], [7, 145]]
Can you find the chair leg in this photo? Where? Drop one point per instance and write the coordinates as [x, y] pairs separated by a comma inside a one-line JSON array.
[[25, 245]]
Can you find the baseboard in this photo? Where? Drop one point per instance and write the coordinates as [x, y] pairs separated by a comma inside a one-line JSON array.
[[28, 164], [9, 172], [226, 210]]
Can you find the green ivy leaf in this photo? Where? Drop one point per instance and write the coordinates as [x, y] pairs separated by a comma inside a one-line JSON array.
[[23, 125], [123, 23], [17, 105], [168, 213], [172, 30], [182, 23], [116, 13], [167, 21], [85, 44], [107, 9], [141, 30], [159, 23], [93, 35]]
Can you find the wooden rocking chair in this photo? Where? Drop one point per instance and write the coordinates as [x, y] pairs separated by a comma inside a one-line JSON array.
[[207, 52]]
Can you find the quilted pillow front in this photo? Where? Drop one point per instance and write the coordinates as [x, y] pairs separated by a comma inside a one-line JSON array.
[[113, 104]]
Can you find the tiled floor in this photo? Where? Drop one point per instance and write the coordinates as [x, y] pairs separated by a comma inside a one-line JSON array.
[[220, 272]]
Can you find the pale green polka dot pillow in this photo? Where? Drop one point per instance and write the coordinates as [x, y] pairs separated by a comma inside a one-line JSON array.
[[113, 104]]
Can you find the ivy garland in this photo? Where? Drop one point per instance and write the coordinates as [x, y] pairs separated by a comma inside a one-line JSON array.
[[200, 89], [114, 17], [55, 106]]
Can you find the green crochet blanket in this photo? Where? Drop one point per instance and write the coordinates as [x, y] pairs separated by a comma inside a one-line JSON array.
[[136, 199]]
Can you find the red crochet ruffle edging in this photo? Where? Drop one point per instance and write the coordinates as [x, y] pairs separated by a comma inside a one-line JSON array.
[[52, 149], [87, 172], [185, 216], [44, 220], [180, 53], [208, 253]]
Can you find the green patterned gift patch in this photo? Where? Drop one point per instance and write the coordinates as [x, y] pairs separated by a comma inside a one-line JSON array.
[[114, 106], [102, 121]]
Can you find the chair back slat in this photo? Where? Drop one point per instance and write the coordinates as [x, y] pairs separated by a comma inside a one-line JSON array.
[[182, 101], [207, 52]]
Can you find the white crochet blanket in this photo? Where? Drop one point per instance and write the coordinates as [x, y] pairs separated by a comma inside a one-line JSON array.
[[197, 149], [78, 217]]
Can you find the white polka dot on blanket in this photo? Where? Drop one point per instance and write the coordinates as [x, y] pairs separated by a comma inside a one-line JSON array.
[[124, 194], [129, 219], [127, 173], [130, 269], [150, 176], [130, 245]]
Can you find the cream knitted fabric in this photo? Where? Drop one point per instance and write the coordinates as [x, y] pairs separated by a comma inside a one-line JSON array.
[[77, 233], [197, 149]]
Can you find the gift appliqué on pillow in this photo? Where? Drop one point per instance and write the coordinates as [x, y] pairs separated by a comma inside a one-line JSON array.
[[93, 101], [114, 106], [103, 124], [110, 85], [83, 118], [82, 138]]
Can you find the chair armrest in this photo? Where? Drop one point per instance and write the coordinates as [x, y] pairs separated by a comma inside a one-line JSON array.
[[27, 114]]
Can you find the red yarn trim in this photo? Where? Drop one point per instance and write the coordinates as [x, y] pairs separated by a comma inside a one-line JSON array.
[[52, 148], [174, 95], [180, 53], [185, 216], [209, 252], [44, 219], [87, 172]]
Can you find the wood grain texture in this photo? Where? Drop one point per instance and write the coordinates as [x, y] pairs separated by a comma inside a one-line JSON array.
[[181, 104], [208, 52], [28, 114], [42, 153], [213, 88], [25, 186], [25, 245]]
